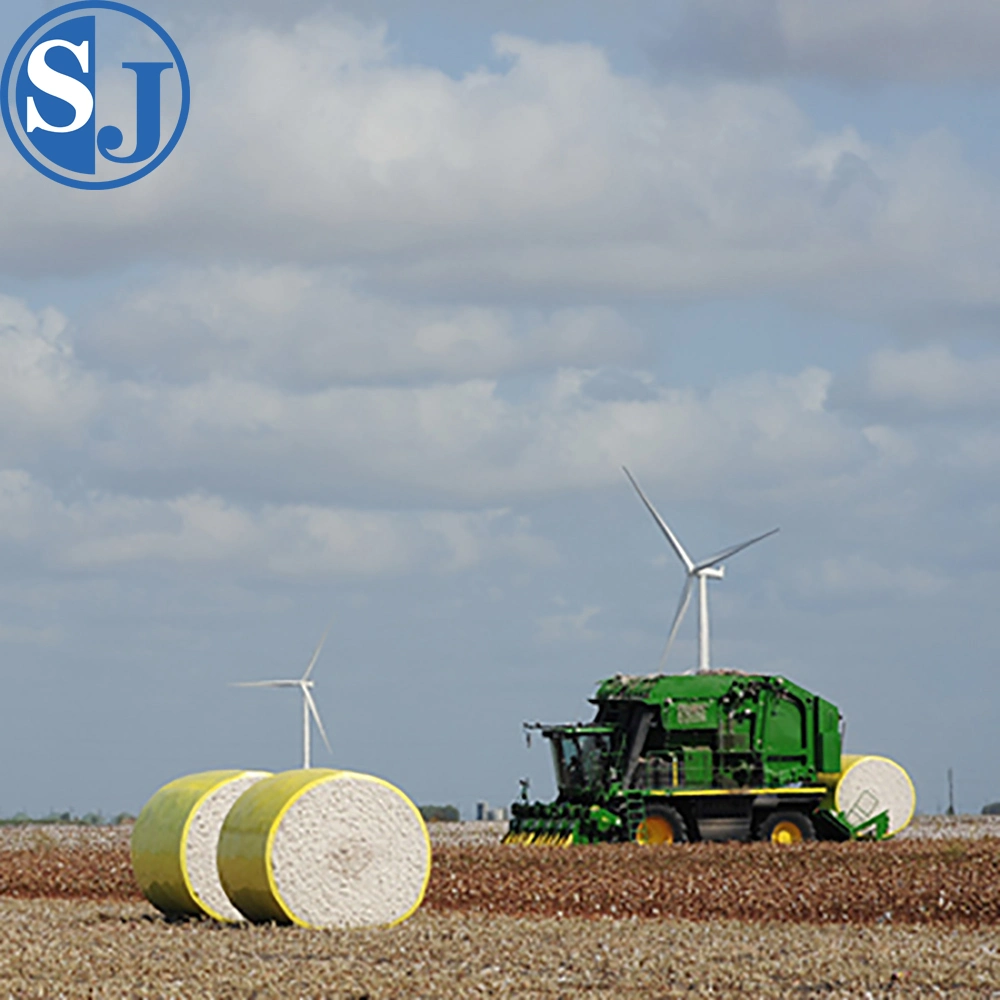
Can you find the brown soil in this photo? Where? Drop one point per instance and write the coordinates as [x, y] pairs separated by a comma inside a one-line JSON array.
[[914, 882]]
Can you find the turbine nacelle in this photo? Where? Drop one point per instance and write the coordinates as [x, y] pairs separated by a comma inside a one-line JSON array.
[[702, 572]]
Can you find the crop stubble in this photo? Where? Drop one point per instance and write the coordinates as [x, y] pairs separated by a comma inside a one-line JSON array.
[[64, 948]]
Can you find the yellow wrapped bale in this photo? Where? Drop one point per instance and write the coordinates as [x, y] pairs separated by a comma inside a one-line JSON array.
[[325, 848], [868, 785], [175, 839]]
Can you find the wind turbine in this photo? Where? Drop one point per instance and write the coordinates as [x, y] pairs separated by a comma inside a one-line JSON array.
[[308, 705], [707, 569]]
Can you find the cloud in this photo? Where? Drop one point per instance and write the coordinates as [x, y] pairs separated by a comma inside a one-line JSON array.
[[106, 533], [853, 41], [861, 577], [467, 441], [894, 446], [274, 450], [544, 176], [271, 474], [933, 379], [190, 15], [304, 328], [45, 395], [569, 626]]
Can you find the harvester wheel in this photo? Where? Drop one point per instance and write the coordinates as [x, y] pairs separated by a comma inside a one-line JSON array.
[[786, 828], [662, 825]]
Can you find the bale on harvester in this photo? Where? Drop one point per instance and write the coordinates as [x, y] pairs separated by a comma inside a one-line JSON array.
[[869, 786]]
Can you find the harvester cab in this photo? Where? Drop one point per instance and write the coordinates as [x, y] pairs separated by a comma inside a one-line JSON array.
[[583, 758]]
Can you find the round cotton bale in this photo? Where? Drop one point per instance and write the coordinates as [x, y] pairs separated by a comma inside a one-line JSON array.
[[869, 785], [175, 839], [324, 848]]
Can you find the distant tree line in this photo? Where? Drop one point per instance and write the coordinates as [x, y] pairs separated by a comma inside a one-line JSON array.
[[993, 809], [66, 818], [439, 814]]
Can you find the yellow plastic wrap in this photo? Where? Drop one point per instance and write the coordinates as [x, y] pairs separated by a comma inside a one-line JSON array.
[[294, 847], [161, 840]]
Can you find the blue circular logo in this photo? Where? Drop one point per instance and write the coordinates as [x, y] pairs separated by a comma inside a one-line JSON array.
[[49, 97]]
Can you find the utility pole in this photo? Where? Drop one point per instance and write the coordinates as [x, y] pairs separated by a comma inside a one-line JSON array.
[[951, 792]]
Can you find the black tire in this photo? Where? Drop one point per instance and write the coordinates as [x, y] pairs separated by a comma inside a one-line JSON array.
[[786, 827], [662, 825]]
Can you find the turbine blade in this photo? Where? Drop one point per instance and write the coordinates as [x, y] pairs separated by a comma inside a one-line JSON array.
[[664, 527], [315, 657], [264, 684], [315, 714], [732, 550], [682, 607]]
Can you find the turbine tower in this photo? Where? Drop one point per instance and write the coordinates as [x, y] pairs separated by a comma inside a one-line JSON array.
[[707, 569], [308, 704]]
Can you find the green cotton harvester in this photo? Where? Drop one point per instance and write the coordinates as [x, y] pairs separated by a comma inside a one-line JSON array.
[[713, 755], [717, 755]]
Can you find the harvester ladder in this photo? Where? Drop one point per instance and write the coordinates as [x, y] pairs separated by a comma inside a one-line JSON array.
[[635, 814]]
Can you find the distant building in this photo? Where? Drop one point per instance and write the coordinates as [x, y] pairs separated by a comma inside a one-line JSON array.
[[485, 814]]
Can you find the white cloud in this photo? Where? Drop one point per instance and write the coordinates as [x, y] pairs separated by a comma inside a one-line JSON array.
[[861, 577], [265, 440], [470, 440], [103, 532], [44, 393], [893, 446], [932, 378], [853, 40], [307, 328], [569, 626], [547, 175]]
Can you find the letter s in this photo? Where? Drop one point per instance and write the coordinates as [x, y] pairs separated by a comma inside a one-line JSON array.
[[66, 88]]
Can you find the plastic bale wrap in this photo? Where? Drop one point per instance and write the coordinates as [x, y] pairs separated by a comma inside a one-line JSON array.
[[868, 785], [325, 848], [175, 840]]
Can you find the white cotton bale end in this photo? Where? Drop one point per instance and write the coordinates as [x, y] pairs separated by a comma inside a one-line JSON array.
[[175, 840], [868, 785], [324, 848]]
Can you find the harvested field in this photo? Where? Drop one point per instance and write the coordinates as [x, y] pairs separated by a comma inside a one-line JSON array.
[[909, 918], [82, 949], [951, 828], [920, 881], [480, 832]]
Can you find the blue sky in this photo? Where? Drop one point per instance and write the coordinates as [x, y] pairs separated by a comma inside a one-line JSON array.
[[369, 349]]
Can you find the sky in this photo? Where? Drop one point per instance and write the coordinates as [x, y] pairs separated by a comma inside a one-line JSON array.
[[368, 351]]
